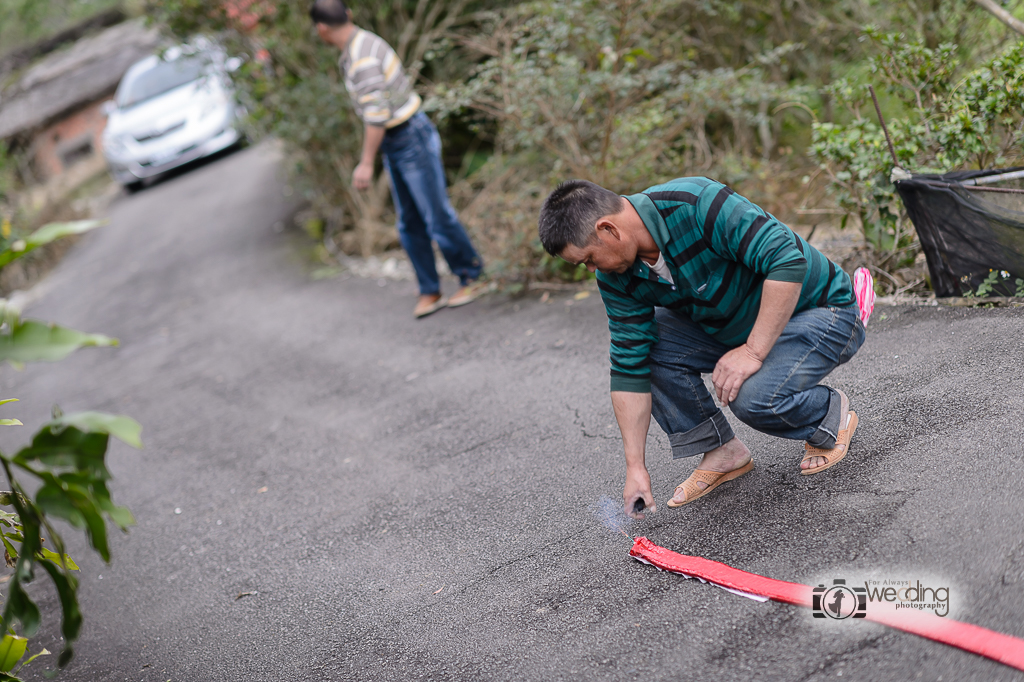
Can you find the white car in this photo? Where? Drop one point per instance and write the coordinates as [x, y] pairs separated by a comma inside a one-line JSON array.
[[168, 111]]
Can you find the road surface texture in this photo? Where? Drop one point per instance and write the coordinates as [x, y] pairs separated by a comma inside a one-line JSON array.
[[364, 496]]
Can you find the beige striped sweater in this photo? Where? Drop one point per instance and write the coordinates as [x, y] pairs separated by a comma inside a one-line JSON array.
[[374, 77]]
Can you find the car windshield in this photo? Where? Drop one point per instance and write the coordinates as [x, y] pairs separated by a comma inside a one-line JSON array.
[[164, 76]]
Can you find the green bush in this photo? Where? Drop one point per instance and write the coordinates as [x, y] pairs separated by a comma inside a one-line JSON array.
[[600, 91], [944, 118]]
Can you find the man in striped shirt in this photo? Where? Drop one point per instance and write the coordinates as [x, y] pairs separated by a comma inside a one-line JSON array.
[[393, 124], [698, 280]]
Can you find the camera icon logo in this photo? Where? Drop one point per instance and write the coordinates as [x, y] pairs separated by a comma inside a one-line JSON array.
[[839, 601]]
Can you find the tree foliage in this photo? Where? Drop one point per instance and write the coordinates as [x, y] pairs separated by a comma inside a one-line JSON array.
[[610, 97], [22, 21]]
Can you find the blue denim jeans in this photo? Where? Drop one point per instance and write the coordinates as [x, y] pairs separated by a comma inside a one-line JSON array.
[[412, 157], [782, 399]]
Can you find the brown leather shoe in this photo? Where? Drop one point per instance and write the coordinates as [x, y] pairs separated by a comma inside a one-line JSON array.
[[427, 304], [467, 294]]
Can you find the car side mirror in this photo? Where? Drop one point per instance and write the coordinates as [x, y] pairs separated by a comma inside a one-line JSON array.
[[233, 64], [108, 107]]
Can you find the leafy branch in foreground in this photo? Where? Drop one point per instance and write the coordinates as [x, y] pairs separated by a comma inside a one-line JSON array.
[[67, 460]]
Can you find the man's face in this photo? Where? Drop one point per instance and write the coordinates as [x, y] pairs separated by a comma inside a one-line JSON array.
[[608, 252], [325, 33]]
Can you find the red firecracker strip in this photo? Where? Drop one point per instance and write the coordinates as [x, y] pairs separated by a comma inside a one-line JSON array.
[[978, 640]]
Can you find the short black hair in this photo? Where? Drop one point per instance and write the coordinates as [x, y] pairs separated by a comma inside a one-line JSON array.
[[570, 213], [330, 12]]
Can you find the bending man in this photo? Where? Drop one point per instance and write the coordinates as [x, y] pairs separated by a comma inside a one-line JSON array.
[[696, 279], [390, 109]]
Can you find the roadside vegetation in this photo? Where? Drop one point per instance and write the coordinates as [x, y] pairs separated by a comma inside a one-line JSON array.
[[770, 97], [767, 96], [24, 21]]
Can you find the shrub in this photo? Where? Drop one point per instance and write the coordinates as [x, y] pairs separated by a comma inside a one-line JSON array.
[[599, 91], [946, 118]]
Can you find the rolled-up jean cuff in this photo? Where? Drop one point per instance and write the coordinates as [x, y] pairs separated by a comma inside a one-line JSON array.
[[828, 429], [705, 437]]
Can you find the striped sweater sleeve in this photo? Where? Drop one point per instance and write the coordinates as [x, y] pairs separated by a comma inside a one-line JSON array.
[[633, 333], [741, 231]]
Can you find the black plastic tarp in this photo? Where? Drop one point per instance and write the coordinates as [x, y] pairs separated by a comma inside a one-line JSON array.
[[966, 233]]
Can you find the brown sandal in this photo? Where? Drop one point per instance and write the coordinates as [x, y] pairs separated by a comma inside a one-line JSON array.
[[425, 306], [836, 454], [713, 479]]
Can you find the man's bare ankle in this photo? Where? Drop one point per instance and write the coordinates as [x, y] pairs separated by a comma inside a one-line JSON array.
[[726, 457]]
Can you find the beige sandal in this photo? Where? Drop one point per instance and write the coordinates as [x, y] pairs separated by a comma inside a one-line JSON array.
[[836, 454], [713, 479]]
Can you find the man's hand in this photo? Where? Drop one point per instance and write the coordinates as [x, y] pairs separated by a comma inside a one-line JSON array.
[[732, 370], [638, 486], [362, 176]]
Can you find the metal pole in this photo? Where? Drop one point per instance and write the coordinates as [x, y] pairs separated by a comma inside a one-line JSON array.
[[988, 179]]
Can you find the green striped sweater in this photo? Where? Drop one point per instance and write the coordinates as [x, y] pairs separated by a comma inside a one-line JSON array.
[[719, 248]]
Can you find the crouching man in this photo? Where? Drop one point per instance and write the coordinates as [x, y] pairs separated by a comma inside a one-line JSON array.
[[696, 279]]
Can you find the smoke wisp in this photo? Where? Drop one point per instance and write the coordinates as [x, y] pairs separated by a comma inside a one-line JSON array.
[[612, 516]]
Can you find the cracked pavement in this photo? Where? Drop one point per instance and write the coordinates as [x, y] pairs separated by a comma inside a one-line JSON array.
[[366, 496]]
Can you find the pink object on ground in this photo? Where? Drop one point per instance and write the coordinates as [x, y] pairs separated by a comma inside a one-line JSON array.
[[864, 290], [977, 640]]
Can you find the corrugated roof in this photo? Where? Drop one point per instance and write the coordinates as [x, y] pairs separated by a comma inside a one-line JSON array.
[[87, 70]]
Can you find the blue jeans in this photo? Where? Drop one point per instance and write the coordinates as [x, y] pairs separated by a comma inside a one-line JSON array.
[[782, 399], [412, 157]]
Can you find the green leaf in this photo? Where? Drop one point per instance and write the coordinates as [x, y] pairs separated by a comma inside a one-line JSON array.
[[7, 497], [20, 606], [11, 549], [96, 527], [8, 400], [34, 341], [44, 652], [123, 428], [74, 474], [45, 235], [66, 446], [65, 498], [121, 516], [57, 559], [10, 422], [53, 502], [71, 615], [12, 648]]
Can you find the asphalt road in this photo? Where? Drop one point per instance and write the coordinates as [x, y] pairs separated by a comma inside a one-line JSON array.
[[363, 496]]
